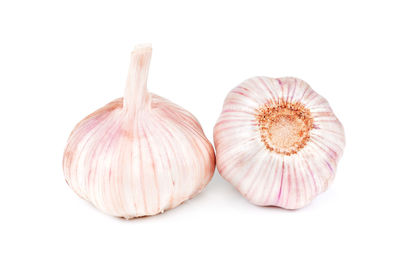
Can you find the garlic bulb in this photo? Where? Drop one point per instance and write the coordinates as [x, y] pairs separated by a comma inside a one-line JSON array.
[[278, 142], [139, 155]]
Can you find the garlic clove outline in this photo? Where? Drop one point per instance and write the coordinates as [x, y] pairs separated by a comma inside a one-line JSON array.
[[278, 142], [139, 155]]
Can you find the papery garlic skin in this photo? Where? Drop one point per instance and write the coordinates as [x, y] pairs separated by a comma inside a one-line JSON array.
[[278, 142], [138, 155]]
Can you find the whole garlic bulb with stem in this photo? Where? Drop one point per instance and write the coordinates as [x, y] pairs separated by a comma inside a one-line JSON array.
[[138, 155], [278, 142]]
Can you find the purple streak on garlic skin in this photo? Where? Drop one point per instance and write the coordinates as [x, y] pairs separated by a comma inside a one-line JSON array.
[[138, 155], [278, 142]]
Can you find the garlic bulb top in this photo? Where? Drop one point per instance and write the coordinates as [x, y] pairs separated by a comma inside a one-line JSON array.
[[139, 155], [278, 142]]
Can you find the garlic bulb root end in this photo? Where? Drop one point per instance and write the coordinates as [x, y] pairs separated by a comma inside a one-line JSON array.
[[278, 142]]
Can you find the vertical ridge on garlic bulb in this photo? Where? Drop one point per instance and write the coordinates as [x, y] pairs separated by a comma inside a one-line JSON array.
[[278, 142], [138, 155]]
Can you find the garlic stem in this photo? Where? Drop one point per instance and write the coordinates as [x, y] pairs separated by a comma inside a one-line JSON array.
[[136, 95]]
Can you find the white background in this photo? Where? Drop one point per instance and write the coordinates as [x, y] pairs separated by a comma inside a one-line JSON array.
[[61, 61]]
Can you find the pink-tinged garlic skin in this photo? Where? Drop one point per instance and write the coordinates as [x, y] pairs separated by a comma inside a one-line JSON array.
[[139, 155], [278, 176]]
